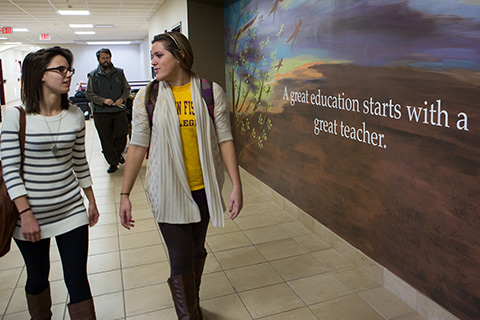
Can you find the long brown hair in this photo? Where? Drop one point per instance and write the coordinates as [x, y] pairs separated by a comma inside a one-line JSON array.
[[33, 68], [179, 46]]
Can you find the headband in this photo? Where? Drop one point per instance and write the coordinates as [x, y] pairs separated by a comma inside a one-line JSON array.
[[168, 34]]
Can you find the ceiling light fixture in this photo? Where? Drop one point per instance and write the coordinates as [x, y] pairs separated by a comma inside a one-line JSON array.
[[93, 43], [81, 26], [73, 12], [104, 26], [20, 30], [12, 42], [84, 32]]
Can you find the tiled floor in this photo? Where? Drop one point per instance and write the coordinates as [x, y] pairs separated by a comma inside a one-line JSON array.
[[263, 265]]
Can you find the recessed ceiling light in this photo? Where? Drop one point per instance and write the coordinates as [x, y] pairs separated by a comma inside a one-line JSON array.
[[12, 42], [92, 43], [20, 30], [3, 38], [81, 26], [73, 12], [104, 26], [84, 32]]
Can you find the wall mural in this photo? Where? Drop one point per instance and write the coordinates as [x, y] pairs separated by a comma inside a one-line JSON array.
[[365, 114]]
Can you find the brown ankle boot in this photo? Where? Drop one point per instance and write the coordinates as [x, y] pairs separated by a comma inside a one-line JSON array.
[[184, 294], [198, 265], [39, 305], [84, 310]]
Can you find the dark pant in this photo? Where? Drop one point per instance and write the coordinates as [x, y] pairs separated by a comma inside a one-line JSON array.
[[73, 248], [186, 242], [112, 129]]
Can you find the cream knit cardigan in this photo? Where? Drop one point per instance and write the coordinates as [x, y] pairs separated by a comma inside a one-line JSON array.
[[167, 187]]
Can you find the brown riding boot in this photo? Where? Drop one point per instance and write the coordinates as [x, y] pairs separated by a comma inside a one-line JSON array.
[[184, 293], [84, 310], [39, 305], [198, 265]]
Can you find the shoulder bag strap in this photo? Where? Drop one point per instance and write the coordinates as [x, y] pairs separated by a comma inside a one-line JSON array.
[[207, 94]]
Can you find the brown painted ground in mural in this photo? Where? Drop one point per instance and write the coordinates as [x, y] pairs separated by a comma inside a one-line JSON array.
[[414, 206]]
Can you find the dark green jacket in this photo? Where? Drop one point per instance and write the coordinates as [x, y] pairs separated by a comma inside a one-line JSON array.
[[107, 85]]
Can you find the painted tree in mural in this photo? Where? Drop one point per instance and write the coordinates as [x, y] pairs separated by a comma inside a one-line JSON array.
[[248, 74]]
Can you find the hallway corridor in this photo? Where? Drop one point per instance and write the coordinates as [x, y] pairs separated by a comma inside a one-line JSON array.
[[263, 265]]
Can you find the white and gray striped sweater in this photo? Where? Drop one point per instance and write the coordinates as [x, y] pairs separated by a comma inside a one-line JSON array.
[[52, 182]]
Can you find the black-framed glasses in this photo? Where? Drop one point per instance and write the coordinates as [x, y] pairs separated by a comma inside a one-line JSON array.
[[62, 69]]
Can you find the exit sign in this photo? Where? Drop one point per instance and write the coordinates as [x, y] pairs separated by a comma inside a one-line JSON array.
[[45, 36], [7, 30]]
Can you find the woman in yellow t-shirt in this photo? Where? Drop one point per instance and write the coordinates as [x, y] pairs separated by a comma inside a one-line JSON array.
[[188, 153]]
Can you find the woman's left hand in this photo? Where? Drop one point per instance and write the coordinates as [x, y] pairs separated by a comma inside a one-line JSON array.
[[236, 202], [93, 214]]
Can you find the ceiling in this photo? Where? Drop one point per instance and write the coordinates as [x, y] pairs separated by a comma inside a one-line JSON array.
[[129, 18]]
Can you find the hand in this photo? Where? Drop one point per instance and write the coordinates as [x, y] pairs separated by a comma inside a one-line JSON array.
[[30, 227], [236, 202], [119, 102], [126, 213], [93, 214], [108, 102]]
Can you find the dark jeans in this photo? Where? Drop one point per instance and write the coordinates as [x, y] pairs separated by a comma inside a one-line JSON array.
[[186, 242], [73, 248], [112, 130]]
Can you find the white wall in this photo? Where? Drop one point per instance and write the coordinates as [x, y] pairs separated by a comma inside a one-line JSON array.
[[169, 14], [11, 72]]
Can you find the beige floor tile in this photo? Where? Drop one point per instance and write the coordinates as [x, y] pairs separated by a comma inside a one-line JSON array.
[[140, 226], [385, 303], [253, 221], [17, 302], [230, 226], [312, 242], [142, 213], [9, 278], [227, 241], [105, 282], [252, 277], [215, 285], [319, 288], [281, 216], [166, 314], [345, 308], [410, 316], [297, 314], [106, 207], [147, 299], [211, 265], [103, 231], [110, 306], [280, 249], [332, 259], [13, 259], [295, 229], [56, 271], [58, 311], [298, 267], [144, 255], [5, 299], [107, 218], [266, 234], [355, 279], [270, 300], [145, 275], [256, 197], [239, 257], [228, 307], [59, 291], [142, 239], [103, 262], [103, 245]]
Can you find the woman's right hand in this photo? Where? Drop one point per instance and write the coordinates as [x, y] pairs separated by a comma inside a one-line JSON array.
[[126, 212], [30, 227]]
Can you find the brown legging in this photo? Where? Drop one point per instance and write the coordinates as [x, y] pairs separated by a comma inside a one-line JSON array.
[[186, 242]]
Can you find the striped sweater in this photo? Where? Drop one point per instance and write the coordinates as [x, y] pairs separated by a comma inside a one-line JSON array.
[[52, 182]]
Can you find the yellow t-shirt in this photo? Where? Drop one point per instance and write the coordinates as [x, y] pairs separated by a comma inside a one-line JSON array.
[[188, 132]]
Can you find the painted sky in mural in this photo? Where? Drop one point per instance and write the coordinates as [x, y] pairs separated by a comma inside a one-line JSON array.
[[438, 35]]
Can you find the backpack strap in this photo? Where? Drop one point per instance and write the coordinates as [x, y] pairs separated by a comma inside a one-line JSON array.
[[207, 93]]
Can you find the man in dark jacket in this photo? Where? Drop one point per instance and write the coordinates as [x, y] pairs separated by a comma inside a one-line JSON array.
[[108, 90]]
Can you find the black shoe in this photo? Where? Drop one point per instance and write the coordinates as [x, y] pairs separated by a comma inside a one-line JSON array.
[[121, 160], [112, 169]]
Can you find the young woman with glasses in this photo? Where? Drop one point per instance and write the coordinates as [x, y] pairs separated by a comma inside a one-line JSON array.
[[55, 169]]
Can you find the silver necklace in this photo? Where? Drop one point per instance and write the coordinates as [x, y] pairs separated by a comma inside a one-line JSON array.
[[54, 148]]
